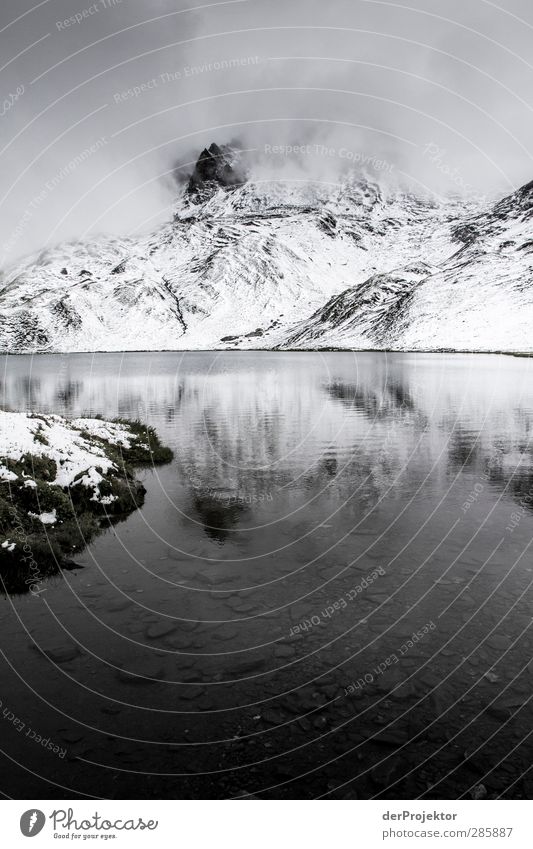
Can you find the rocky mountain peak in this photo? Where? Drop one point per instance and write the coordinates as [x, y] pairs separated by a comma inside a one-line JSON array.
[[216, 167]]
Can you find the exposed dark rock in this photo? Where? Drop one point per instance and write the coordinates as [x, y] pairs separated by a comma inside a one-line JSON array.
[[60, 653], [328, 223], [67, 314], [214, 169]]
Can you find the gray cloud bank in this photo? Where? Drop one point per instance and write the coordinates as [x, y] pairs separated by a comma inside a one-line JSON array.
[[101, 101]]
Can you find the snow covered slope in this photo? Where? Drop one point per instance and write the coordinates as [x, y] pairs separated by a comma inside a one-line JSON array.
[[478, 298], [261, 264]]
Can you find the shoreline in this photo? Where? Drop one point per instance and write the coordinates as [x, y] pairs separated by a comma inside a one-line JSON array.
[[321, 350], [62, 483]]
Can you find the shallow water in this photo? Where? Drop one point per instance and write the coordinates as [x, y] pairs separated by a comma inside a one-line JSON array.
[[250, 629]]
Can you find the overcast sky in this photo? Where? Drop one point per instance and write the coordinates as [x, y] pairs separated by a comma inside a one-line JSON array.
[[437, 93]]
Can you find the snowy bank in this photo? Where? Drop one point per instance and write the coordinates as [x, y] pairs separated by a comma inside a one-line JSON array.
[[61, 482]]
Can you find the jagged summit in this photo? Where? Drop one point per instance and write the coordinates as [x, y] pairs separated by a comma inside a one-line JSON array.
[[216, 167]]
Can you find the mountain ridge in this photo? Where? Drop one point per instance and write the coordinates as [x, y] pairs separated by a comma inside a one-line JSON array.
[[285, 264]]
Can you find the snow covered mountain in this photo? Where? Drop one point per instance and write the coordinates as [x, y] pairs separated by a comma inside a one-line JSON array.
[[480, 297], [268, 263]]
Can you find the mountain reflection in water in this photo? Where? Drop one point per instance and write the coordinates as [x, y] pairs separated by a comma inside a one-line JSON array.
[[297, 477]]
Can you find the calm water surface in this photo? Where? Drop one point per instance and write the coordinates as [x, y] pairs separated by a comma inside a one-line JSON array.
[[250, 629]]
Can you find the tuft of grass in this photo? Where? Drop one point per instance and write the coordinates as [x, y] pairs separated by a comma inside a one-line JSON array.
[[146, 447], [41, 438]]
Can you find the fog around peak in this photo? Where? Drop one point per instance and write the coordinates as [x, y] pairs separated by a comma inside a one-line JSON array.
[[116, 100]]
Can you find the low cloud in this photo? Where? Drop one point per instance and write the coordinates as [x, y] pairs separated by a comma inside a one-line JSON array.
[[368, 86]]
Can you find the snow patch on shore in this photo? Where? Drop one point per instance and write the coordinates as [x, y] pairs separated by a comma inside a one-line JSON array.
[[45, 518], [112, 432], [78, 459]]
